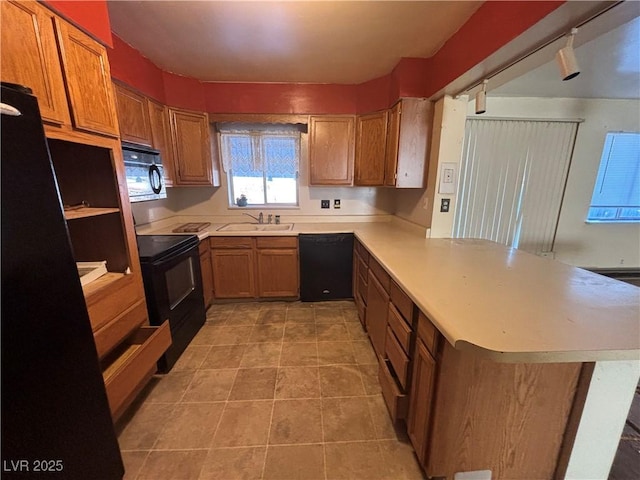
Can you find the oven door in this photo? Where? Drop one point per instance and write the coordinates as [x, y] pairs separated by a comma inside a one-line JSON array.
[[173, 286]]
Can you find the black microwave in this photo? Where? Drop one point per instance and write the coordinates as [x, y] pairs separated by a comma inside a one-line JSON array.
[[144, 173]]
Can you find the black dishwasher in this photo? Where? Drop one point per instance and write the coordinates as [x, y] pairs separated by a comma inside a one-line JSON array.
[[326, 266]]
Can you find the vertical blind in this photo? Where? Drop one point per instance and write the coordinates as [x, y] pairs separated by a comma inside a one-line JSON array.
[[512, 179]]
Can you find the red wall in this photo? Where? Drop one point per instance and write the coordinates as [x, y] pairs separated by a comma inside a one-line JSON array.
[[92, 16], [135, 70], [493, 25], [279, 98]]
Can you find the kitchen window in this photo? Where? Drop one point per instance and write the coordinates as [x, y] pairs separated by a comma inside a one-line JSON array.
[[262, 164], [616, 194]]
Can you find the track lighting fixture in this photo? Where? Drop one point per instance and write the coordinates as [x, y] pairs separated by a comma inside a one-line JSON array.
[[481, 98], [566, 59]]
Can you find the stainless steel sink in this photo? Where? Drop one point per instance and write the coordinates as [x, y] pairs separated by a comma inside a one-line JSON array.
[[255, 227]]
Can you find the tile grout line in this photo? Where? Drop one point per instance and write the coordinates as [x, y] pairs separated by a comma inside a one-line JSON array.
[[273, 407]]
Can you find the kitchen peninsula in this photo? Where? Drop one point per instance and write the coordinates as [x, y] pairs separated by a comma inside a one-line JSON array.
[[533, 351]]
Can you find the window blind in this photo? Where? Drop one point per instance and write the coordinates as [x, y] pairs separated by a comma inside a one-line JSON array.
[[618, 182], [512, 179]]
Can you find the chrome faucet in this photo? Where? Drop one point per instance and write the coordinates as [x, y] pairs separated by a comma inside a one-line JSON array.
[[259, 218]]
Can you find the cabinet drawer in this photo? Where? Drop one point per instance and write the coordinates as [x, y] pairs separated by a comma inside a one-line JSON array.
[[397, 357], [363, 269], [277, 242], [361, 311], [402, 302], [230, 242], [362, 288], [380, 273], [128, 366], [362, 252], [116, 330], [397, 402], [108, 303], [427, 333], [400, 328]]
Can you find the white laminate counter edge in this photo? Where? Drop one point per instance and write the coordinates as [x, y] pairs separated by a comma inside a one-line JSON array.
[[506, 330]]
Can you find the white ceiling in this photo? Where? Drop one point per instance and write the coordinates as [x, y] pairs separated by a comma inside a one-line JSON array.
[[345, 42], [609, 68]]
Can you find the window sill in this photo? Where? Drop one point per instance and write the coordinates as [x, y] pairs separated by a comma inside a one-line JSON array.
[[610, 222], [264, 207]]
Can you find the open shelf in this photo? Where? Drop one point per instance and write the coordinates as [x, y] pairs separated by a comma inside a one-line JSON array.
[[85, 212]]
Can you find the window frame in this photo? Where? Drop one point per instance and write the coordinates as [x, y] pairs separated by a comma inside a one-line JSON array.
[[261, 132], [601, 178]]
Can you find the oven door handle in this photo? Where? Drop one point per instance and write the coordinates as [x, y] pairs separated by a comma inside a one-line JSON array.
[[182, 252]]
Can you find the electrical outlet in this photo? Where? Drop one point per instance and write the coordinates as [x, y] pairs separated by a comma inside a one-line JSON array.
[[444, 204], [324, 203], [336, 203]]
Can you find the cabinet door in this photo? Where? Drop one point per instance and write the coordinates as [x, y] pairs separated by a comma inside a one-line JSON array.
[[133, 116], [191, 147], [207, 273], [331, 150], [88, 79], [391, 151], [371, 137], [416, 118], [161, 138], [420, 401], [278, 273], [233, 273], [29, 57], [376, 316]]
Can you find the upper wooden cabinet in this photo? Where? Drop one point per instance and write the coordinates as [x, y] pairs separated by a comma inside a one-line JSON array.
[[191, 147], [408, 131], [29, 57], [88, 79], [371, 137], [391, 149], [133, 116], [161, 138], [331, 150]]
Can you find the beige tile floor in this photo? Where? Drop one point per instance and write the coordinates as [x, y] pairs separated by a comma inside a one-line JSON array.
[[268, 391]]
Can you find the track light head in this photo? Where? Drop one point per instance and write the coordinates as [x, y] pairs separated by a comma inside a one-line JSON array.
[[566, 59], [481, 99]]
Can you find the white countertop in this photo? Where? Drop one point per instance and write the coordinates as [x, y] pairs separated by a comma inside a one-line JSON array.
[[506, 304]]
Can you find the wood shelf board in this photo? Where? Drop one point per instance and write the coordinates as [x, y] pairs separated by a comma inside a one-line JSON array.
[[107, 279], [85, 212], [122, 359]]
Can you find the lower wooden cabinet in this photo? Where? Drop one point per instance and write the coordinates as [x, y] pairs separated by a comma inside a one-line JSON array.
[[233, 273], [360, 280], [206, 272], [277, 267], [255, 267], [376, 315], [421, 399]]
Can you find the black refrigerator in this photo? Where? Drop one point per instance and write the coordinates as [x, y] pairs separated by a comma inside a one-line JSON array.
[[55, 416]]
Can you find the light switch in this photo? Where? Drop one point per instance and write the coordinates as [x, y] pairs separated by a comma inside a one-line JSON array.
[[448, 178]]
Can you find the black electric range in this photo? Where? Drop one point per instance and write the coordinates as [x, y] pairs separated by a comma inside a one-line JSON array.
[[173, 287]]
